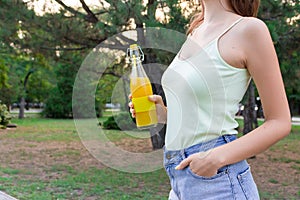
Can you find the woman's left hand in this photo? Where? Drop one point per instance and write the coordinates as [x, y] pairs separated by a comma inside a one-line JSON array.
[[202, 163]]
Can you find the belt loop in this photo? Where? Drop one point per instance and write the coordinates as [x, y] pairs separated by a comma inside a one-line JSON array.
[[182, 153], [226, 138]]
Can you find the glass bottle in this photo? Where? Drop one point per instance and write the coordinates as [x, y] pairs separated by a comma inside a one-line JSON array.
[[141, 89]]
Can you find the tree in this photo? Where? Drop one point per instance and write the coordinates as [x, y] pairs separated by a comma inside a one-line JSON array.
[[20, 61], [249, 112], [282, 18], [76, 30], [3, 73]]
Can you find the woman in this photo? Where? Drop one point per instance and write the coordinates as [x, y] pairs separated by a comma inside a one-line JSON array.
[[226, 46]]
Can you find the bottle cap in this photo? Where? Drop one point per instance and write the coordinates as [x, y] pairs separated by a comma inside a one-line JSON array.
[[133, 46], [137, 52]]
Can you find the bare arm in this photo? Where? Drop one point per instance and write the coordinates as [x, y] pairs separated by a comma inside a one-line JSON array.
[[262, 64]]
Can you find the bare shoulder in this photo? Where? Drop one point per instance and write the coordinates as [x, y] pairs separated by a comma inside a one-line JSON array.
[[254, 28], [255, 42], [254, 22], [257, 45]]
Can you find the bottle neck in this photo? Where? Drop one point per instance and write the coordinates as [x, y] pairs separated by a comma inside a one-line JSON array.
[[137, 68], [136, 57], [136, 61]]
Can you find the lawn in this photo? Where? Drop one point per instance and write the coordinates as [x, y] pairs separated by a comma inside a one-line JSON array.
[[44, 159]]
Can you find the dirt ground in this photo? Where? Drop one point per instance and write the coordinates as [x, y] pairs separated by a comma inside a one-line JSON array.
[[275, 172]]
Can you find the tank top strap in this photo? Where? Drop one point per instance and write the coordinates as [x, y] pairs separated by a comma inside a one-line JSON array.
[[230, 27]]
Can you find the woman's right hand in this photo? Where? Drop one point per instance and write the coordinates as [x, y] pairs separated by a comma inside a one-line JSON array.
[[161, 109], [131, 107]]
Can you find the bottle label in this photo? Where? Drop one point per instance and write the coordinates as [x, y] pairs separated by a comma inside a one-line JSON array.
[[142, 104]]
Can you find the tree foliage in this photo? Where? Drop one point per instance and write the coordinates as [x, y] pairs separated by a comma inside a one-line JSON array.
[[59, 101], [64, 38], [59, 34], [282, 18], [4, 116]]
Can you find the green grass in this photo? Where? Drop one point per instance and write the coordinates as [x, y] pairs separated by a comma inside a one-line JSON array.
[[78, 182], [269, 196], [10, 171], [274, 181], [43, 130], [68, 182], [296, 128], [98, 183], [285, 160], [289, 143]]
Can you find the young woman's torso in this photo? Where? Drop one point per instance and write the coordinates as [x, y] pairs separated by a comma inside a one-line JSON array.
[[205, 83], [231, 45]]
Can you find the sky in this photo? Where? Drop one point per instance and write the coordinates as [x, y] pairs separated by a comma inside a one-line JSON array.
[[40, 6], [51, 6]]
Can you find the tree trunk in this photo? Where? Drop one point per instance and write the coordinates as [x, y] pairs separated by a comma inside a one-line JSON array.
[[154, 73], [22, 102], [249, 113], [125, 82], [158, 136], [22, 108]]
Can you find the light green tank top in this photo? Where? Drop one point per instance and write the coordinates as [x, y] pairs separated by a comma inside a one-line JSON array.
[[203, 94]]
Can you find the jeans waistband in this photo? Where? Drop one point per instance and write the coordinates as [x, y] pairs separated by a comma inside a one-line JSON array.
[[173, 156]]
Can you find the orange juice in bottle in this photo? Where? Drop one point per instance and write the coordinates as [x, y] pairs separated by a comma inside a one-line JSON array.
[[140, 88]]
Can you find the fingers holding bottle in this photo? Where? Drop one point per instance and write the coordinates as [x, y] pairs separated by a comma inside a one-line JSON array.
[[161, 109], [131, 106]]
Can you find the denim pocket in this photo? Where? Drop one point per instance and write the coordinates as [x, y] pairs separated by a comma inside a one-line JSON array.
[[248, 185], [221, 172]]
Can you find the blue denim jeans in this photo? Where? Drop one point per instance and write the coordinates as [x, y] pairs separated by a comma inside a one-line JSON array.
[[231, 182]]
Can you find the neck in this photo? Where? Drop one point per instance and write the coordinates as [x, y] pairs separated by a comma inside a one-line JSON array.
[[215, 10]]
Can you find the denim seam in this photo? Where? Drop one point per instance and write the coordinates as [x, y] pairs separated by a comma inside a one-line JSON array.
[[227, 139], [175, 189], [173, 180], [241, 182], [231, 183]]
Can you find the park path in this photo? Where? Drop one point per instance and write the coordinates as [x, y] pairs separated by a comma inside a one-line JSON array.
[[296, 121], [4, 196]]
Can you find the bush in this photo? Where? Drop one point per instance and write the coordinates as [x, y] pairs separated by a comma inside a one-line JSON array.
[[4, 116], [122, 121], [58, 105]]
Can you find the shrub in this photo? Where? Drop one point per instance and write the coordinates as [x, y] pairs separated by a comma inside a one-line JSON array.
[[58, 105], [122, 121], [4, 116]]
